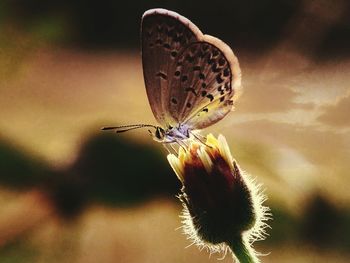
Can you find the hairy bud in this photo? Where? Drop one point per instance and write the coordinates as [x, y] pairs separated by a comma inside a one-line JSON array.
[[222, 205]]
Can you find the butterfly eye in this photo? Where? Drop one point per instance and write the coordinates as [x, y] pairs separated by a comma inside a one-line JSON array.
[[173, 53], [159, 133], [221, 61]]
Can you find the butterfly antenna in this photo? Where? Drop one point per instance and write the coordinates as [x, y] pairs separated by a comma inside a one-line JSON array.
[[125, 128]]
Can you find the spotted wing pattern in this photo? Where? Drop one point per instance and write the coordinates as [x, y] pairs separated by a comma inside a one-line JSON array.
[[163, 38], [200, 90], [190, 78]]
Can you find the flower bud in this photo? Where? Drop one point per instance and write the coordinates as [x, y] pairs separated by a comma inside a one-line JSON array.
[[222, 205]]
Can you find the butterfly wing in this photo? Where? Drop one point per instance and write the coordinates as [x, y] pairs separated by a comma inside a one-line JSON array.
[[164, 35], [208, 82], [190, 78]]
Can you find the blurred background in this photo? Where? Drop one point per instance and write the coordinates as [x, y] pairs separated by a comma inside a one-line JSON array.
[[70, 193]]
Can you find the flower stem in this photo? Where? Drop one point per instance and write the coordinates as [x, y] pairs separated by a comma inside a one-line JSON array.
[[242, 251]]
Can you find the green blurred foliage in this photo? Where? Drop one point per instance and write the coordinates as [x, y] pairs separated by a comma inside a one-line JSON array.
[[18, 171], [49, 29], [3, 12], [284, 227], [324, 225], [254, 25], [109, 170], [112, 170], [18, 251], [115, 171]]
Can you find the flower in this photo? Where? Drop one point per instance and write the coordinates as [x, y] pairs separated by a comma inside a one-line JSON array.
[[223, 206]]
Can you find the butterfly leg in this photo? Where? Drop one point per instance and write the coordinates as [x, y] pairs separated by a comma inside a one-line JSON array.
[[203, 138], [182, 144], [170, 148], [173, 148], [200, 138], [166, 147]]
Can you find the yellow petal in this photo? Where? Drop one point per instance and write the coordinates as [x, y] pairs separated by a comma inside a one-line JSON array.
[[205, 158], [212, 141], [225, 150], [182, 154], [177, 166]]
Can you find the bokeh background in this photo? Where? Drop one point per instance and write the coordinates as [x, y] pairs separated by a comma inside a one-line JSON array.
[[70, 193]]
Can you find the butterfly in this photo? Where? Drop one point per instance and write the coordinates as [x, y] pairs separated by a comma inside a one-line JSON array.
[[191, 79]]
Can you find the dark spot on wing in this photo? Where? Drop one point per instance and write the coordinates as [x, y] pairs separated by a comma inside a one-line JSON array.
[[204, 85], [219, 79], [173, 53], [166, 45], [159, 41], [215, 68], [188, 105], [211, 97], [184, 78], [196, 68], [221, 61], [215, 53], [173, 100], [177, 73], [226, 72], [204, 93], [211, 61], [222, 98], [201, 76], [205, 110], [191, 90]]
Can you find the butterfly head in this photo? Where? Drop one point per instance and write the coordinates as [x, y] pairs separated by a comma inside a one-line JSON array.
[[159, 134]]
